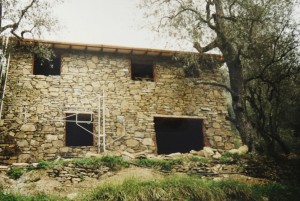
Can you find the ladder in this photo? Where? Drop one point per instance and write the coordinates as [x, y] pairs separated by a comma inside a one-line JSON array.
[[4, 65]]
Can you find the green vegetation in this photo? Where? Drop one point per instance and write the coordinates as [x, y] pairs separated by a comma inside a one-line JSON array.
[[227, 157], [15, 173], [176, 188], [49, 164], [259, 41], [165, 165], [113, 162], [39, 197], [199, 159], [190, 188], [234, 156]]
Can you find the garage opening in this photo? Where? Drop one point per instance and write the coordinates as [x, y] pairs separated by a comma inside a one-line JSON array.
[[75, 134], [178, 135]]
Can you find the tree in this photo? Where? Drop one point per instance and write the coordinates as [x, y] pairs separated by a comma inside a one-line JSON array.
[[26, 18], [20, 19], [273, 92], [249, 34]]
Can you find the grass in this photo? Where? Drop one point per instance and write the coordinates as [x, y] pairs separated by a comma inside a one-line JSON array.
[[228, 158], [113, 162], [201, 160], [191, 188], [49, 164], [39, 197], [186, 188], [177, 188], [165, 165]]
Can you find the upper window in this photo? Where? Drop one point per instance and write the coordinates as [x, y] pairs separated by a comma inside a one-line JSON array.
[[45, 67], [142, 70]]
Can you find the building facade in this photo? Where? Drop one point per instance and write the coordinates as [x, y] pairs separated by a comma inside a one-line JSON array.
[[95, 98]]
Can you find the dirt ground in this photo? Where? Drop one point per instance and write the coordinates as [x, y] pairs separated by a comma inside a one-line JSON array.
[[38, 181]]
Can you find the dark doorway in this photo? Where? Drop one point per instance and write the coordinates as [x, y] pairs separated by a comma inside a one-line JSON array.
[[75, 135], [178, 135]]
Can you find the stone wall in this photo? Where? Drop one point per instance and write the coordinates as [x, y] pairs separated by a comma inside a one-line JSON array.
[[84, 75]]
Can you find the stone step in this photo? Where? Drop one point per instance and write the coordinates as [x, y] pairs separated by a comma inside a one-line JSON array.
[[4, 168]]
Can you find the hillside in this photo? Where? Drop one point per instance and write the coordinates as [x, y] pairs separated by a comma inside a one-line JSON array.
[[81, 179]]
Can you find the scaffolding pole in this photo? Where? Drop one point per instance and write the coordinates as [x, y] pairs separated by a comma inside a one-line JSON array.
[[4, 71], [103, 122], [99, 120]]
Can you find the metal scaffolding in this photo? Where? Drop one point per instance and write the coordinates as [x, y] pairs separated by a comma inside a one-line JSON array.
[[4, 66], [100, 121]]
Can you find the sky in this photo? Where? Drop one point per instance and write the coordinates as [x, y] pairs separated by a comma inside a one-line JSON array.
[[109, 22]]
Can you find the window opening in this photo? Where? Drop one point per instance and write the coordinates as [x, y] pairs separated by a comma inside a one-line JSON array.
[[78, 130], [178, 135], [142, 70], [46, 67]]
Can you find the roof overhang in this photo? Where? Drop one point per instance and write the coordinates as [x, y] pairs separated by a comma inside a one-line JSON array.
[[114, 49]]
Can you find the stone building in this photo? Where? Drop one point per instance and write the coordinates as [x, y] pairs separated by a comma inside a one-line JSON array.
[[97, 98]]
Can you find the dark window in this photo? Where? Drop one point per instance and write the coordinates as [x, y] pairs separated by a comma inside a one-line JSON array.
[[75, 134], [178, 135], [45, 67], [142, 70]]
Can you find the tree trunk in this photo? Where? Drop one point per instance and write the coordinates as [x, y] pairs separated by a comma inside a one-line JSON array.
[[238, 99]]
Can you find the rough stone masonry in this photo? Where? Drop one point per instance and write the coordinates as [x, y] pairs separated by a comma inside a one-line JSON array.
[[34, 104]]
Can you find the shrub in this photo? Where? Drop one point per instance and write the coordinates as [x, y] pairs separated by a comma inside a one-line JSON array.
[[165, 165], [49, 164], [113, 162], [231, 155], [15, 173], [228, 158], [44, 165]]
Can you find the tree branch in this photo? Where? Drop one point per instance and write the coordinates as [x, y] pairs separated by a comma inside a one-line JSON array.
[[230, 8], [15, 26], [208, 15], [206, 48], [233, 94]]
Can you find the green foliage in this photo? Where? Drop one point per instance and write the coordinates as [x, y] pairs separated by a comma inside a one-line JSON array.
[[228, 158], [39, 197], [231, 155], [49, 164], [114, 162], [45, 165], [28, 18], [15, 173], [259, 41], [190, 188], [165, 165], [82, 178], [199, 159]]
